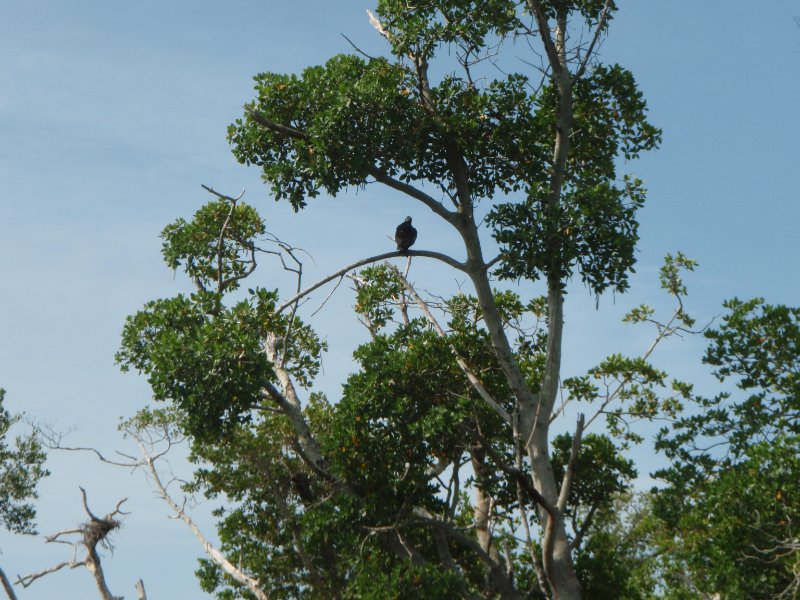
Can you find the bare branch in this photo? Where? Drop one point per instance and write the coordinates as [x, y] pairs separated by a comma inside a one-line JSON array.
[[356, 48], [600, 25], [7, 586], [566, 483], [377, 25], [140, 593], [27, 580], [436, 255], [544, 32], [216, 556], [93, 532]]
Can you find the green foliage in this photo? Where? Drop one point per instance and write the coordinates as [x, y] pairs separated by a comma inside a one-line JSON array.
[[205, 358], [203, 355], [593, 229], [352, 118], [21, 467], [378, 295], [617, 559], [635, 387], [400, 414], [600, 472], [213, 248], [733, 489], [407, 581]]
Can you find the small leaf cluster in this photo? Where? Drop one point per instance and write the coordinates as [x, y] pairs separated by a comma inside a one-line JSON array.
[[21, 468], [467, 23], [377, 295], [634, 386], [216, 245]]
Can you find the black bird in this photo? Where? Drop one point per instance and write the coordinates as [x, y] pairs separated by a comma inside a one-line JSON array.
[[405, 235]]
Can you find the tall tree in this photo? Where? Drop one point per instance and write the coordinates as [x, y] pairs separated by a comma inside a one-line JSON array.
[[368, 490]]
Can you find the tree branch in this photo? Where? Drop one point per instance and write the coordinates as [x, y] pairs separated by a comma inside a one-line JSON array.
[[91, 533], [566, 483], [416, 193], [216, 556], [600, 25], [426, 253], [544, 31], [7, 586]]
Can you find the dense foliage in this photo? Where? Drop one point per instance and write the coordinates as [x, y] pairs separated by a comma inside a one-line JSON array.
[[734, 484]]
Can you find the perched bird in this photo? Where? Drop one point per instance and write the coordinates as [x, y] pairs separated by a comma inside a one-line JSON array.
[[405, 235]]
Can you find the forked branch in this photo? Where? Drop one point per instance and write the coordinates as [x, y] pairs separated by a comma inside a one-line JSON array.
[[90, 534]]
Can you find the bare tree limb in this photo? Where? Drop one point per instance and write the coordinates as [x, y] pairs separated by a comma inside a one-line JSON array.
[[544, 32], [93, 532], [7, 586], [566, 483], [140, 593], [601, 22], [216, 556], [372, 259]]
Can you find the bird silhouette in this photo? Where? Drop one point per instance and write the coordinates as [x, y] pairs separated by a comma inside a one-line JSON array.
[[405, 235]]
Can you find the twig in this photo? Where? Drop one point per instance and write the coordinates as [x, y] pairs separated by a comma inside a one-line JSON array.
[[356, 48], [600, 25]]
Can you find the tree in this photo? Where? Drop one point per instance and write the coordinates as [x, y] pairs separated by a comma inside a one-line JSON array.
[[733, 489], [417, 479], [21, 467]]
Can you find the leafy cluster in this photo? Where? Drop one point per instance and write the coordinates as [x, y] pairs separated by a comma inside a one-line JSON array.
[[216, 246], [21, 467]]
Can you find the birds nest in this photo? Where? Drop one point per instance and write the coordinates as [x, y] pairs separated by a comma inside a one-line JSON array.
[[97, 530]]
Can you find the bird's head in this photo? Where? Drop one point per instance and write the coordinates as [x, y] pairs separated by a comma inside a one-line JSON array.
[[408, 220]]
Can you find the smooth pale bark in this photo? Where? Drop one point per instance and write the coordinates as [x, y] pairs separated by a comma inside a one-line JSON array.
[[7, 586]]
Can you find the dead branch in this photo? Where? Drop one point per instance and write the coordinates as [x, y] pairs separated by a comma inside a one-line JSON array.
[[566, 483], [372, 259], [215, 555], [90, 534], [140, 593], [600, 26]]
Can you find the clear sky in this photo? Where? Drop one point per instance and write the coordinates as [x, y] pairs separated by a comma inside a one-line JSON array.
[[112, 114]]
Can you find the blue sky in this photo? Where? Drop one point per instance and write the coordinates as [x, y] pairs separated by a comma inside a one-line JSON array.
[[112, 114]]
